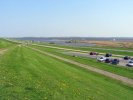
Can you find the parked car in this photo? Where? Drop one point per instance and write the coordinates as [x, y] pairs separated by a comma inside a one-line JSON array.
[[101, 59], [126, 58], [108, 55], [108, 60], [130, 64], [93, 53], [131, 59], [115, 61]]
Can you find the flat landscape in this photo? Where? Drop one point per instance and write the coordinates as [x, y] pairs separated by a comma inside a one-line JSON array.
[[29, 74], [122, 44], [66, 50]]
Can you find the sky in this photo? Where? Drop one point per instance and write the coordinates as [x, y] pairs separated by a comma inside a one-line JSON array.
[[66, 18]]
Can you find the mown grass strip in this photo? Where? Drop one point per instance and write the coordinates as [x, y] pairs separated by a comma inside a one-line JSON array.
[[26, 74], [127, 72]]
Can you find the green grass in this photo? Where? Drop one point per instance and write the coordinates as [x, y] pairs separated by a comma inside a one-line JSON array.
[[25, 74], [96, 50], [128, 72], [5, 44]]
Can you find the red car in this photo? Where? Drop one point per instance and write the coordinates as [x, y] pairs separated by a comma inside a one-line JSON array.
[[93, 53]]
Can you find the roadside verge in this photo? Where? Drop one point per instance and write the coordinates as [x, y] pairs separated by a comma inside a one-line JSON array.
[[123, 79]]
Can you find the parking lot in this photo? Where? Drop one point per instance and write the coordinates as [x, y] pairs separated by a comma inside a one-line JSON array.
[[121, 63]]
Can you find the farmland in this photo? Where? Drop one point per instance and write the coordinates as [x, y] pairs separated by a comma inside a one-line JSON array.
[[29, 75], [113, 44], [105, 49]]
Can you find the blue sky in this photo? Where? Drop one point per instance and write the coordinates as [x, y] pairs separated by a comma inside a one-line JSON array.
[[47, 18]]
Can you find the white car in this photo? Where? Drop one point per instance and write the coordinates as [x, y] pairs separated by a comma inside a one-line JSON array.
[[101, 59], [130, 63]]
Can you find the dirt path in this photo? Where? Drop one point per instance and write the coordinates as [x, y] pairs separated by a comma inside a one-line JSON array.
[[123, 79], [2, 51]]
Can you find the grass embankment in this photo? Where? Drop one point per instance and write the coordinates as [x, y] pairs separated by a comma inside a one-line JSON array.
[[94, 49], [26, 74], [127, 72], [5, 44]]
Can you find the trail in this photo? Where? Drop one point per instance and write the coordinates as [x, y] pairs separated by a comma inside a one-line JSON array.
[[123, 79], [2, 51]]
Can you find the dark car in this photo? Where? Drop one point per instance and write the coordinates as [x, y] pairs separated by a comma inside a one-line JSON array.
[[108, 55], [115, 61], [108, 60], [126, 58], [93, 53]]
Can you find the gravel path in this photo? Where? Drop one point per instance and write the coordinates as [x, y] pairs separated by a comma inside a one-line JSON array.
[[123, 79]]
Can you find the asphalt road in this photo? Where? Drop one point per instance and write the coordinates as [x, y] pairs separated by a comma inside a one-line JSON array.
[[122, 61]]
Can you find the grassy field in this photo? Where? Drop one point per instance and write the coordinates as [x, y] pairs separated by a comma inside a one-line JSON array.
[[26, 74], [128, 72], [29, 75], [5, 44], [97, 50]]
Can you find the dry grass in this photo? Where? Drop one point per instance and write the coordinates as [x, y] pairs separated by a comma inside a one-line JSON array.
[[111, 43]]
